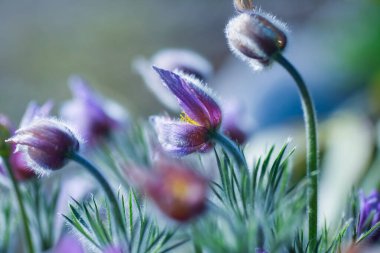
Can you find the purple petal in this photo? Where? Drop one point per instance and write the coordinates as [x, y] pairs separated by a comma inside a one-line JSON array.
[[181, 138], [34, 111], [188, 99], [67, 244], [212, 107]]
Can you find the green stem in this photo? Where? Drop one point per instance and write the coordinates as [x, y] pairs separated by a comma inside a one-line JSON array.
[[231, 147], [106, 187], [312, 148], [16, 188]]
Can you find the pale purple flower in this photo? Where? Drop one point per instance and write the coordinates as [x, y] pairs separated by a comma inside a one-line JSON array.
[[178, 191], [369, 213], [182, 60], [255, 37], [92, 116], [68, 244], [47, 143], [236, 123], [201, 116]]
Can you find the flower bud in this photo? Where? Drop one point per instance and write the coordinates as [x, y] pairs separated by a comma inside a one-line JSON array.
[[256, 38], [179, 192], [243, 5], [47, 143]]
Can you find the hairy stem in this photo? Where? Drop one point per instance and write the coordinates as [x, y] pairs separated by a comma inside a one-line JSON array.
[[106, 187], [231, 147], [312, 148]]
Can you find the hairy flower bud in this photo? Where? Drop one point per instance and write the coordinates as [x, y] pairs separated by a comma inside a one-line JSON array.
[[256, 37], [243, 5], [47, 143]]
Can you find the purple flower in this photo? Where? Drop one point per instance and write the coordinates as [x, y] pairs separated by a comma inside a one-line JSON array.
[[200, 118], [68, 244], [90, 114], [46, 144], [182, 60], [369, 213], [255, 37], [178, 191], [18, 159], [236, 124]]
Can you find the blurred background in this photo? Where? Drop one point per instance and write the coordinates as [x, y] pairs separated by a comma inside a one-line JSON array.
[[334, 44]]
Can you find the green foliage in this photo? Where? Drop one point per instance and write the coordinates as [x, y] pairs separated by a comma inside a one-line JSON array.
[[253, 209], [93, 222], [7, 224], [42, 198]]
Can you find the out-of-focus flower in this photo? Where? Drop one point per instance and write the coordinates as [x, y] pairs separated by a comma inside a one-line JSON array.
[[182, 60], [113, 249], [68, 244], [236, 125], [46, 143], [256, 37], [89, 113], [369, 214], [200, 118], [178, 191]]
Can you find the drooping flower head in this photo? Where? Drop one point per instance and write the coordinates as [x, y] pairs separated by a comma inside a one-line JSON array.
[[89, 113], [183, 60], [47, 144], [201, 116], [256, 37], [178, 191], [369, 214], [17, 160]]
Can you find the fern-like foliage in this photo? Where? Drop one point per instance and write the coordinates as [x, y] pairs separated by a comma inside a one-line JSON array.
[[93, 222]]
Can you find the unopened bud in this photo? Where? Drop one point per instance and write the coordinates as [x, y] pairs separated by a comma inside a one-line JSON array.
[[243, 5], [256, 38], [47, 143]]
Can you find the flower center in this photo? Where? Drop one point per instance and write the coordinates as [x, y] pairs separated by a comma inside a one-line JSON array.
[[186, 118]]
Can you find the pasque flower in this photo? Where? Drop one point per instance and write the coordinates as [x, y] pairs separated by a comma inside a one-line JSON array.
[[255, 37], [369, 213], [201, 116], [92, 116], [172, 59], [46, 142], [17, 160], [178, 191]]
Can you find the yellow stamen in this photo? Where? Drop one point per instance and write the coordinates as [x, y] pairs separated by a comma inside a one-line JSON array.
[[186, 118]]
